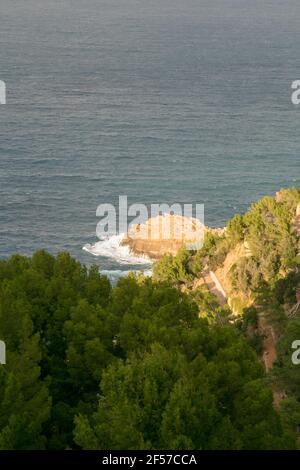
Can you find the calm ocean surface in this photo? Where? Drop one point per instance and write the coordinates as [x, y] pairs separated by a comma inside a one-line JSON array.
[[160, 100]]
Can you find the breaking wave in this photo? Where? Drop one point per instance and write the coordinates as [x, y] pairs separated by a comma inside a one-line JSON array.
[[111, 248]]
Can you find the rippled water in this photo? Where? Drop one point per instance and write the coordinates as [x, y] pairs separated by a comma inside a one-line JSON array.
[[161, 100]]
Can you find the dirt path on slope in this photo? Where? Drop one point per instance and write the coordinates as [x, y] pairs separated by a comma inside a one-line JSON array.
[[214, 284], [269, 355], [269, 343]]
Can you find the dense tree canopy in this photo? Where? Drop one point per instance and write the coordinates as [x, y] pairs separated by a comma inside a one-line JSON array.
[[130, 367]]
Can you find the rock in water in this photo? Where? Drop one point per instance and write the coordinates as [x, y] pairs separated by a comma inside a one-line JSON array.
[[165, 234]]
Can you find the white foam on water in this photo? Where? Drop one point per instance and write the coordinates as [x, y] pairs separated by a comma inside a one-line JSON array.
[[111, 248]]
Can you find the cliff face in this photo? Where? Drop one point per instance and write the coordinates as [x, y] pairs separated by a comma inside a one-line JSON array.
[[235, 301], [165, 234], [244, 249], [296, 224]]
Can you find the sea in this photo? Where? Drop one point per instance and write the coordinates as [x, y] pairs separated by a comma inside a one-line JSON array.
[[164, 101]]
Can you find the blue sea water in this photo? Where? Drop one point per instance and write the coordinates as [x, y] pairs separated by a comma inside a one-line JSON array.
[[161, 100]]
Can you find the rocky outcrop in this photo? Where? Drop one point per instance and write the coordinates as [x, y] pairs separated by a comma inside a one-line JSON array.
[[166, 234]]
